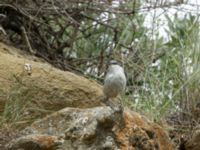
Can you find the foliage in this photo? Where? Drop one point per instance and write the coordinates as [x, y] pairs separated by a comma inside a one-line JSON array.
[[170, 84]]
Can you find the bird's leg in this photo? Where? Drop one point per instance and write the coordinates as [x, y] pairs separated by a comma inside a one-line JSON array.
[[106, 101], [110, 103], [121, 104], [114, 105]]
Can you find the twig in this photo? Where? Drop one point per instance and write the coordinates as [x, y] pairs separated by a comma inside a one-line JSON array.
[[27, 40]]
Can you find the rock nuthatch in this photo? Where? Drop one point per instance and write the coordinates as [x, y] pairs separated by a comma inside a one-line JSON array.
[[115, 80]]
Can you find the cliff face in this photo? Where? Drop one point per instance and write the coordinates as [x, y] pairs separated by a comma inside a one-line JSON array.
[[55, 110]]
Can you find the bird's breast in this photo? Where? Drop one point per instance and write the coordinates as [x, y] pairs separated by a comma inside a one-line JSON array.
[[114, 84]]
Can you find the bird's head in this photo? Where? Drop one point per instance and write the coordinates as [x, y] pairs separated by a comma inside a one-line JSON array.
[[115, 66], [115, 62]]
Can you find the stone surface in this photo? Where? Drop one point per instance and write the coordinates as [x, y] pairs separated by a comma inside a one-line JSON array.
[[37, 142], [95, 128]]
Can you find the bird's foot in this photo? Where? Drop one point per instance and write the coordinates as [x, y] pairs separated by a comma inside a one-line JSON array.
[[117, 107]]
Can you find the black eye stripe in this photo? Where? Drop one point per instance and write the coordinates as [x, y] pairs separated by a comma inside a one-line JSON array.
[[115, 62]]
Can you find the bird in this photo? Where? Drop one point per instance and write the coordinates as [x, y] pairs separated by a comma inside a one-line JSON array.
[[114, 81]]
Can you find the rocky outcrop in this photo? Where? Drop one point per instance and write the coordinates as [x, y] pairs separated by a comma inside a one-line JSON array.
[[98, 128]]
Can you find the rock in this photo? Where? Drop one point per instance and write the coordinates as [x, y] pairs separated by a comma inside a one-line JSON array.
[[36, 141], [47, 89], [141, 134], [193, 143], [98, 128]]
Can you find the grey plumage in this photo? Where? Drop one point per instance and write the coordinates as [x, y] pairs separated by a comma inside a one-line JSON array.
[[115, 81]]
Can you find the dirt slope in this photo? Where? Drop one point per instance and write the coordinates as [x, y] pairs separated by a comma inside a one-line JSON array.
[[46, 89]]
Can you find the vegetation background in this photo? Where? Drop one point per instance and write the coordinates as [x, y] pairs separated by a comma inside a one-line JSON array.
[[158, 42]]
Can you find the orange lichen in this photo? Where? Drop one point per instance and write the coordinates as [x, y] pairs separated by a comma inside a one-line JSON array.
[[137, 126], [162, 138], [46, 141]]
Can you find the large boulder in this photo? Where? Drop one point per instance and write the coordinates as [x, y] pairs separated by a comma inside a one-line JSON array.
[[98, 128]]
